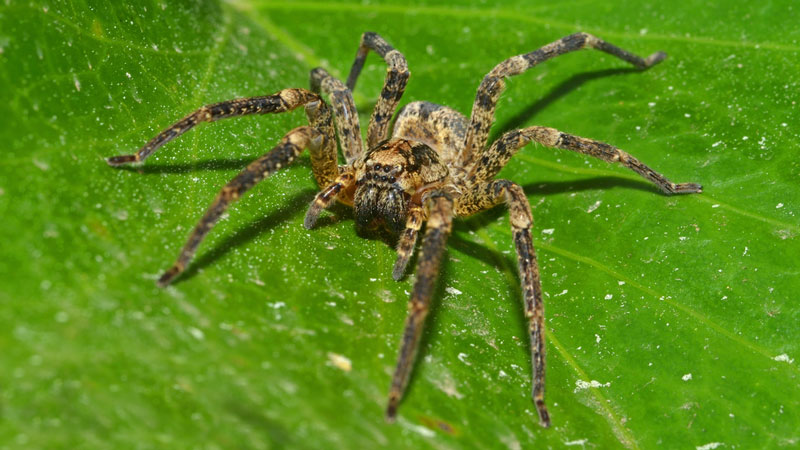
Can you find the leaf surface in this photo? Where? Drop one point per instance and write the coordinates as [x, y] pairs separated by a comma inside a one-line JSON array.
[[671, 320]]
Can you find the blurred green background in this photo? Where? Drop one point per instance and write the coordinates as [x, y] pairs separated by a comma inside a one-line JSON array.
[[672, 321]]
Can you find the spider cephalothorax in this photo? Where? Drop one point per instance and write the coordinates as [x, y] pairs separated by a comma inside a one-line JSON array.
[[392, 176], [434, 167]]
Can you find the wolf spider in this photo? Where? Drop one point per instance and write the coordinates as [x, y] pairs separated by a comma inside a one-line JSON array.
[[434, 167]]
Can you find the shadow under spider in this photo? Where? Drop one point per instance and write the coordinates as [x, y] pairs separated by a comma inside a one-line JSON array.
[[523, 117], [206, 165], [296, 204], [209, 164]]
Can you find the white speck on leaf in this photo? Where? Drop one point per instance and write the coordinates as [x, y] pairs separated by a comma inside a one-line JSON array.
[[196, 333], [43, 166], [419, 429], [686, 377], [452, 290], [548, 230], [340, 362], [779, 205], [581, 385], [594, 206], [463, 358], [608, 297], [709, 446], [784, 358], [447, 385]]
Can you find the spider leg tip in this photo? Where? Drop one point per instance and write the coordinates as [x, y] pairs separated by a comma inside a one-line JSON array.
[[309, 222], [168, 276], [119, 160], [398, 272], [391, 413], [544, 416], [691, 188], [655, 58]]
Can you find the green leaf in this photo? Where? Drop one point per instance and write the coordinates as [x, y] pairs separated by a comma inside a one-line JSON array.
[[671, 320]]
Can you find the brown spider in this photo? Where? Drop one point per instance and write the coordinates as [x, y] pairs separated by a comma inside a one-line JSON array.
[[436, 166]]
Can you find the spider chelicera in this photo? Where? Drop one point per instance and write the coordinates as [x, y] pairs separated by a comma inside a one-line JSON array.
[[434, 167]]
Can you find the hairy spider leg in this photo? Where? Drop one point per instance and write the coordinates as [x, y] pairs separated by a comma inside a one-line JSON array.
[[440, 220], [492, 85], [393, 86], [341, 99], [484, 196], [407, 240], [319, 116], [507, 145], [327, 195], [292, 144]]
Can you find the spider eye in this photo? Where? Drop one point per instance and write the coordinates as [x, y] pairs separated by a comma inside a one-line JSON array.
[[386, 169], [377, 167]]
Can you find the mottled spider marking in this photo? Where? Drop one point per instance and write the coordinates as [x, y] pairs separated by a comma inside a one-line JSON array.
[[440, 127], [327, 195], [407, 240]]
